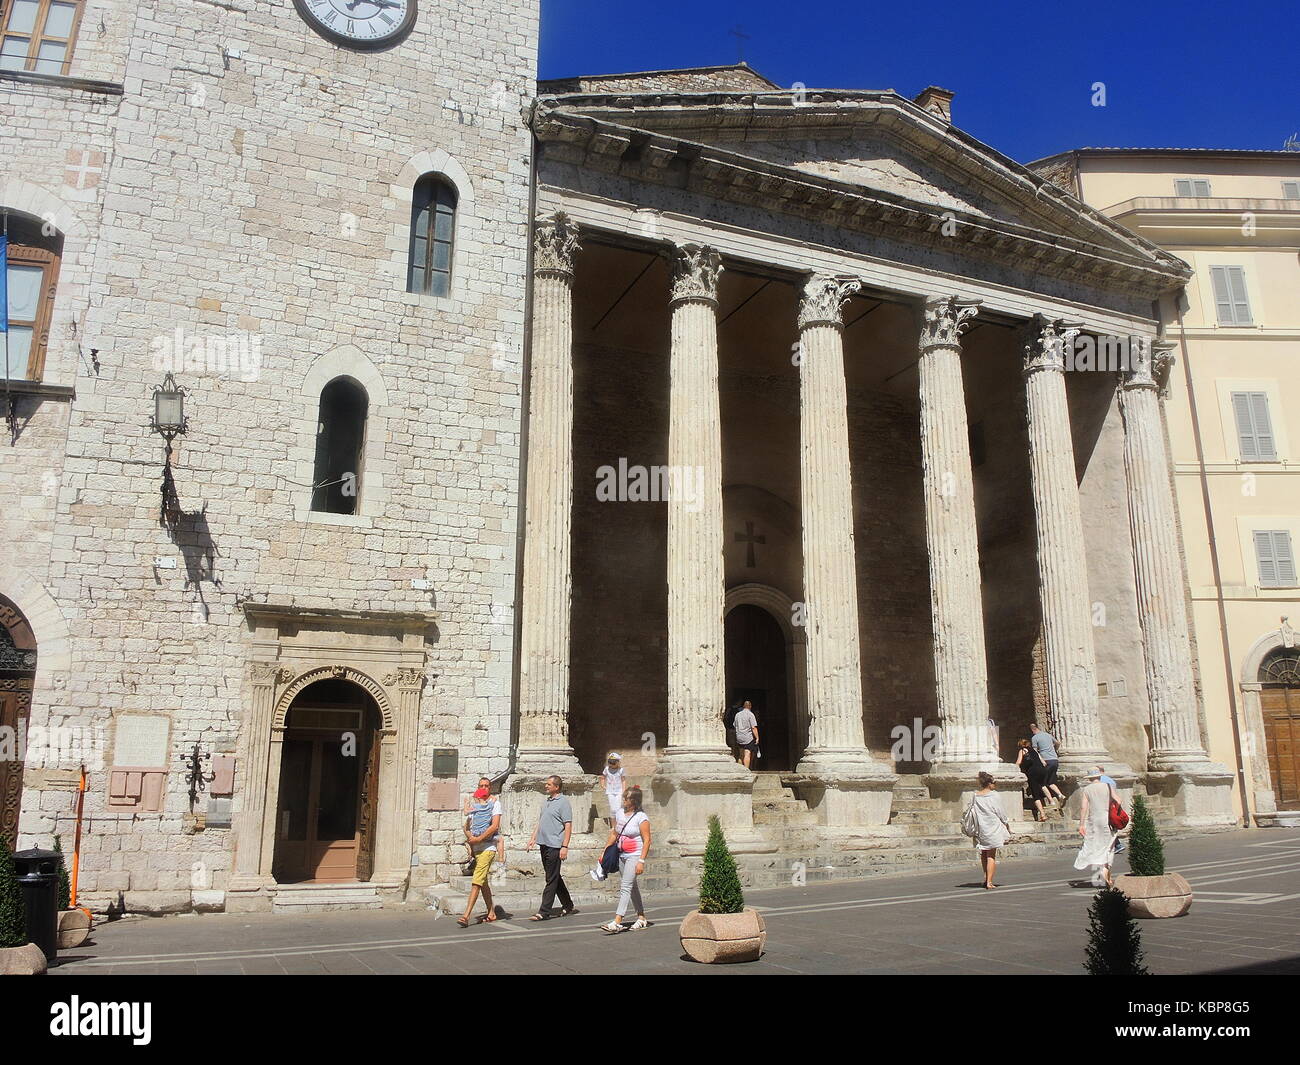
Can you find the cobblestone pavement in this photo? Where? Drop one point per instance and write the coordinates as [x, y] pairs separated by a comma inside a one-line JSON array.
[[1246, 919]]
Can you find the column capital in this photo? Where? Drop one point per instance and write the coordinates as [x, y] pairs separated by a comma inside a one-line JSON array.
[[1044, 342], [1150, 362], [943, 319], [695, 269], [555, 240], [823, 298]]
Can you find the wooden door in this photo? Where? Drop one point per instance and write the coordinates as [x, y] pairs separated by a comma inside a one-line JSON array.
[[369, 811], [17, 673], [1281, 709]]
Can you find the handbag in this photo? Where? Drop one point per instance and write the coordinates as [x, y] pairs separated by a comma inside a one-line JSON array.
[[1117, 817], [969, 822]]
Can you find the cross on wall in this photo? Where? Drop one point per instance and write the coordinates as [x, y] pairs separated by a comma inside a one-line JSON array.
[[749, 540]]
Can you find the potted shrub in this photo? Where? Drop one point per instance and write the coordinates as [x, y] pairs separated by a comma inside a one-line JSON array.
[[1151, 891], [18, 957], [74, 924], [1114, 945], [722, 929]]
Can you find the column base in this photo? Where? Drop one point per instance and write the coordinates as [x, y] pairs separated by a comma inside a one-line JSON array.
[[692, 784], [844, 788], [1199, 791], [527, 794], [954, 784]]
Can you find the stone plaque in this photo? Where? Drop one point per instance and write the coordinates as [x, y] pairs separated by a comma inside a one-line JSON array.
[[140, 741], [219, 812], [446, 762], [443, 795]]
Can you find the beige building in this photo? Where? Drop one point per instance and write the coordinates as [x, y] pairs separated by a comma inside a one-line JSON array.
[[1234, 429]]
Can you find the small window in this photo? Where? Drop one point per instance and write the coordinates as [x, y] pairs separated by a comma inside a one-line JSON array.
[[1275, 558], [433, 227], [39, 34], [1230, 301], [1291, 190], [340, 442], [1254, 427], [1197, 188], [31, 275]]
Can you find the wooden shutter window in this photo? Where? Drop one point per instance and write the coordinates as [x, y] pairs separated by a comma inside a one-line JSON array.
[[1254, 427], [1231, 304], [38, 35], [29, 324], [1291, 190], [1275, 558], [1197, 188]]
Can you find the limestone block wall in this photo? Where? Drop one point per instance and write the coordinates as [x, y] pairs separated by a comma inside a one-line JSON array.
[[260, 201]]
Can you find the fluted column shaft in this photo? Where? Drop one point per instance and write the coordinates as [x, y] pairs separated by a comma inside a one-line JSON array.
[[696, 681], [1062, 565], [1162, 609], [826, 492], [952, 539], [255, 750], [545, 620]]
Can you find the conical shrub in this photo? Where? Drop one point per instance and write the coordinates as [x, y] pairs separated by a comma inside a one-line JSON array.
[[720, 890], [65, 884], [1114, 943], [13, 911], [1146, 854]]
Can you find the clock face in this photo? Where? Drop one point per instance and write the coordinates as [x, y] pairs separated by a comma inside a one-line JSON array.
[[359, 23]]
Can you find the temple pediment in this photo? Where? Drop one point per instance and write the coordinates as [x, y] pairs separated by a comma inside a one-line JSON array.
[[872, 158]]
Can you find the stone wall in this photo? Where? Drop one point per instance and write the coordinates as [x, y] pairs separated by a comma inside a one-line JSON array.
[[261, 200]]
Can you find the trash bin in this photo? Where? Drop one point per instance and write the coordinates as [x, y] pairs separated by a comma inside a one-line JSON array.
[[38, 876]]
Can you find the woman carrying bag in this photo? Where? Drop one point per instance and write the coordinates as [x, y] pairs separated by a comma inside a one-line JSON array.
[[631, 833]]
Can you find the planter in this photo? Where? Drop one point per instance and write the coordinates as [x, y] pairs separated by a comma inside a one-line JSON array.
[[74, 928], [721, 938], [27, 960], [1156, 896]]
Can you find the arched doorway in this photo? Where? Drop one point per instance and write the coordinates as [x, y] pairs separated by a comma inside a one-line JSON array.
[[17, 673], [757, 670], [1279, 704], [329, 785]]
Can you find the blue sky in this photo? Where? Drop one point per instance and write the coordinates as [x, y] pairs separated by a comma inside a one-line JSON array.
[[1188, 75]]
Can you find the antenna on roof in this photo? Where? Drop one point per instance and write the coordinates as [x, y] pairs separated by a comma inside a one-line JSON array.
[[741, 36], [1292, 143]]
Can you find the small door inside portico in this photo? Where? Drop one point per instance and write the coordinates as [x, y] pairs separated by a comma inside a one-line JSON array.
[[329, 769]]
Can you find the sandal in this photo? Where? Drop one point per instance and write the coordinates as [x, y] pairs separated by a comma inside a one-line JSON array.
[[613, 928], [540, 917], [464, 923]]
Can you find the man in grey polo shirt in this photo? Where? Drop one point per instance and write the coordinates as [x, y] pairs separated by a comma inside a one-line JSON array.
[[554, 828]]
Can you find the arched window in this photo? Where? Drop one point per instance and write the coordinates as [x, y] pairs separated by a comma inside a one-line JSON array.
[[433, 226], [340, 440]]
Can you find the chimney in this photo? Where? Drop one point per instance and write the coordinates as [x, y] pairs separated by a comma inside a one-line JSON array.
[[937, 101]]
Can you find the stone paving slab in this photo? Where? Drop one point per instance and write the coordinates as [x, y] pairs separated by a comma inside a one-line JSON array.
[[1246, 918]]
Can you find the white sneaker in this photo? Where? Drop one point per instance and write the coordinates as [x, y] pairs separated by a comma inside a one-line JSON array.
[[598, 874]]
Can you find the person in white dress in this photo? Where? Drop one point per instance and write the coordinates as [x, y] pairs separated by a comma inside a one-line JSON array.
[[992, 829], [1098, 850]]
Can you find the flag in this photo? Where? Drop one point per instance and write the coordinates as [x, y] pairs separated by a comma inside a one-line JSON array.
[[4, 298]]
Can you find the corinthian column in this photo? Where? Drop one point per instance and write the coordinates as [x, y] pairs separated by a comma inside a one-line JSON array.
[[956, 606], [697, 757], [544, 624], [1062, 565], [251, 870], [1206, 787], [837, 751]]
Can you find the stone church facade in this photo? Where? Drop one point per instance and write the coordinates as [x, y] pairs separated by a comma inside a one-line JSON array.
[[529, 422]]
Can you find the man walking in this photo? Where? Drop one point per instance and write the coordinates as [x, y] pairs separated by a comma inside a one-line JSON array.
[[746, 725], [554, 828], [1045, 745]]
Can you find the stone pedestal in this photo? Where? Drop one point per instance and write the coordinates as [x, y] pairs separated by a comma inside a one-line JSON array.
[[956, 785], [1178, 765], [524, 793]]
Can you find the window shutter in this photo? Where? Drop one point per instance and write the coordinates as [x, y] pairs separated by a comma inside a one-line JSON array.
[[1291, 190], [1283, 558], [1263, 426], [1264, 557], [1237, 287], [1231, 303], [1182, 187], [1201, 189]]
